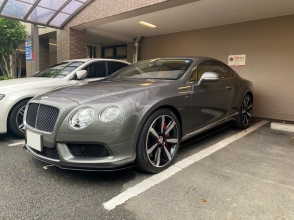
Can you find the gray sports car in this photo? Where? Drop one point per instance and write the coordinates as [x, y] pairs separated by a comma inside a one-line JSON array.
[[138, 116]]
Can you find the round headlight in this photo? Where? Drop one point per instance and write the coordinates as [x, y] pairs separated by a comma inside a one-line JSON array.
[[109, 113], [81, 118]]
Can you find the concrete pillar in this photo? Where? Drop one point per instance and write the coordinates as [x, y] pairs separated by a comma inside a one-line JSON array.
[[71, 44], [29, 68], [44, 53], [33, 66], [35, 40]]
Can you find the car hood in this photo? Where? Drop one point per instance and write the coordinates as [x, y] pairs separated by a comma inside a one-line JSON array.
[[97, 90], [13, 85]]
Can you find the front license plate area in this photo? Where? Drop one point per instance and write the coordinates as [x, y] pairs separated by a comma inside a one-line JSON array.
[[34, 140]]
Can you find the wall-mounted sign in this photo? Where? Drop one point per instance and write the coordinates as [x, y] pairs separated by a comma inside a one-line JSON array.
[[29, 50], [237, 60]]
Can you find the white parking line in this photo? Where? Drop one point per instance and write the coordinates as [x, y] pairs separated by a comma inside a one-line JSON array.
[[157, 178], [16, 144]]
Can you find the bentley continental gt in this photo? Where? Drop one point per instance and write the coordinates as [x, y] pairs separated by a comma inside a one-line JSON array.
[[137, 116]]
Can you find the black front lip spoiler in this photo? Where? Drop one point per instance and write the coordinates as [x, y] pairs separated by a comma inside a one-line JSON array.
[[81, 169]]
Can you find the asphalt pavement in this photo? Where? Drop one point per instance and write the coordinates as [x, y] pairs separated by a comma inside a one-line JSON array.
[[251, 178]]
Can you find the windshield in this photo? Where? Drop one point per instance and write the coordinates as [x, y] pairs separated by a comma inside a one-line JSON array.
[[59, 70], [154, 69]]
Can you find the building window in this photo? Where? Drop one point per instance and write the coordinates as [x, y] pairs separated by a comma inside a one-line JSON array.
[[108, 52], [115, 52], [91, 51]]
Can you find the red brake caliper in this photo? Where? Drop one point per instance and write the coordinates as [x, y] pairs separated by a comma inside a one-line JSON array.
[[164, 127]]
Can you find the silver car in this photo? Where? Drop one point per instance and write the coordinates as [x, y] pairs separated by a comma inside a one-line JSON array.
[[138, 116], [15, 93]]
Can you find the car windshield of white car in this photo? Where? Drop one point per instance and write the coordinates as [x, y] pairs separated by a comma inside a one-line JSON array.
[[170, 69], [59, 70]]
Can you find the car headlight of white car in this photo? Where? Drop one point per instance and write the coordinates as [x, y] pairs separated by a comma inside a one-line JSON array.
[[2, 96], [108, 114], [81, 118]]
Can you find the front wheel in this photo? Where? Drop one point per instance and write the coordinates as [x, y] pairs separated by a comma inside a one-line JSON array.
[[15, 119], [245, 113], [158, 141]]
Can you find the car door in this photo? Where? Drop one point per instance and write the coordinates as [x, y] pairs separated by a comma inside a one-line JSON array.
[[210, 101], [230, 76]]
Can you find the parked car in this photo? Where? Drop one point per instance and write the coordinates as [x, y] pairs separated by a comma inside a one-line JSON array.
[[139, 115], [15, 93]]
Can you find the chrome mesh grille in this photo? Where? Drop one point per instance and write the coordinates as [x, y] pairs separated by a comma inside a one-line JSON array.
[[31, 114], [42, 117], [88, 150]]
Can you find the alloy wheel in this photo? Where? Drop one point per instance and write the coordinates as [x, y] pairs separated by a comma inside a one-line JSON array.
[[247, 110], [19, 118], [162, 141]]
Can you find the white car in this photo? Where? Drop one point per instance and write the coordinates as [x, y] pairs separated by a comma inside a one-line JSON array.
[[15, 93]]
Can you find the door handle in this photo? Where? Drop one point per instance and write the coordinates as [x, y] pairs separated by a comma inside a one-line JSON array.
[[228, 87]]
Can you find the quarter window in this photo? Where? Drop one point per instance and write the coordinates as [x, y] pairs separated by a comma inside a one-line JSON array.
[[229, 73]]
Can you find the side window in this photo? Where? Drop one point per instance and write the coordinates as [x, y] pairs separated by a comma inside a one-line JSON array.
[[115, 66], [229, 73], [97, 69], [218, 68]]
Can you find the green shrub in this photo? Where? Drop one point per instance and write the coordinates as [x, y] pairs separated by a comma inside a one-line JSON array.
[[4, 77]]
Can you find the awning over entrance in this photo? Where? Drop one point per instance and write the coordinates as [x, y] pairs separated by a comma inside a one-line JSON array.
[[53, 13]]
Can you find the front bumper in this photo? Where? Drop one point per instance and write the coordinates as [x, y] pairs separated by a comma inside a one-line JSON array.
[[3, 124], [66, 160], [4, 111], [53, 144]]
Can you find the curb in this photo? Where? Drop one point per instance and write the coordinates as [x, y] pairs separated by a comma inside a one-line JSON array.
[[282, 127]]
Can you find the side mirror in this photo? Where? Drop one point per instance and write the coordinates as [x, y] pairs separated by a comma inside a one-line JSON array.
[[81, 74], [209, 77]]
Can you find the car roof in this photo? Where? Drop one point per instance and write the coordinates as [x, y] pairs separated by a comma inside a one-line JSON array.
[[195, 58], [96, 59]]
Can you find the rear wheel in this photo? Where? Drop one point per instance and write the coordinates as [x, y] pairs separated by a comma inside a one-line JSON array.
[[158, 141], [15, 119], [245, 114]]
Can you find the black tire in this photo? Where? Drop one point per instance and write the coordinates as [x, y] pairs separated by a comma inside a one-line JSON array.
[[245, 112], [15, 119], [160, 135]]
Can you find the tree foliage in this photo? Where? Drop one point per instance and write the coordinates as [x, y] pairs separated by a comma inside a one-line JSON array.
[[12, 33]]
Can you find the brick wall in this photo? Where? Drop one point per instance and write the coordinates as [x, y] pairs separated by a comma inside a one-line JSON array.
[[71, 44], [44, 53], [62, 44], [99, 9], [77, 47]]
